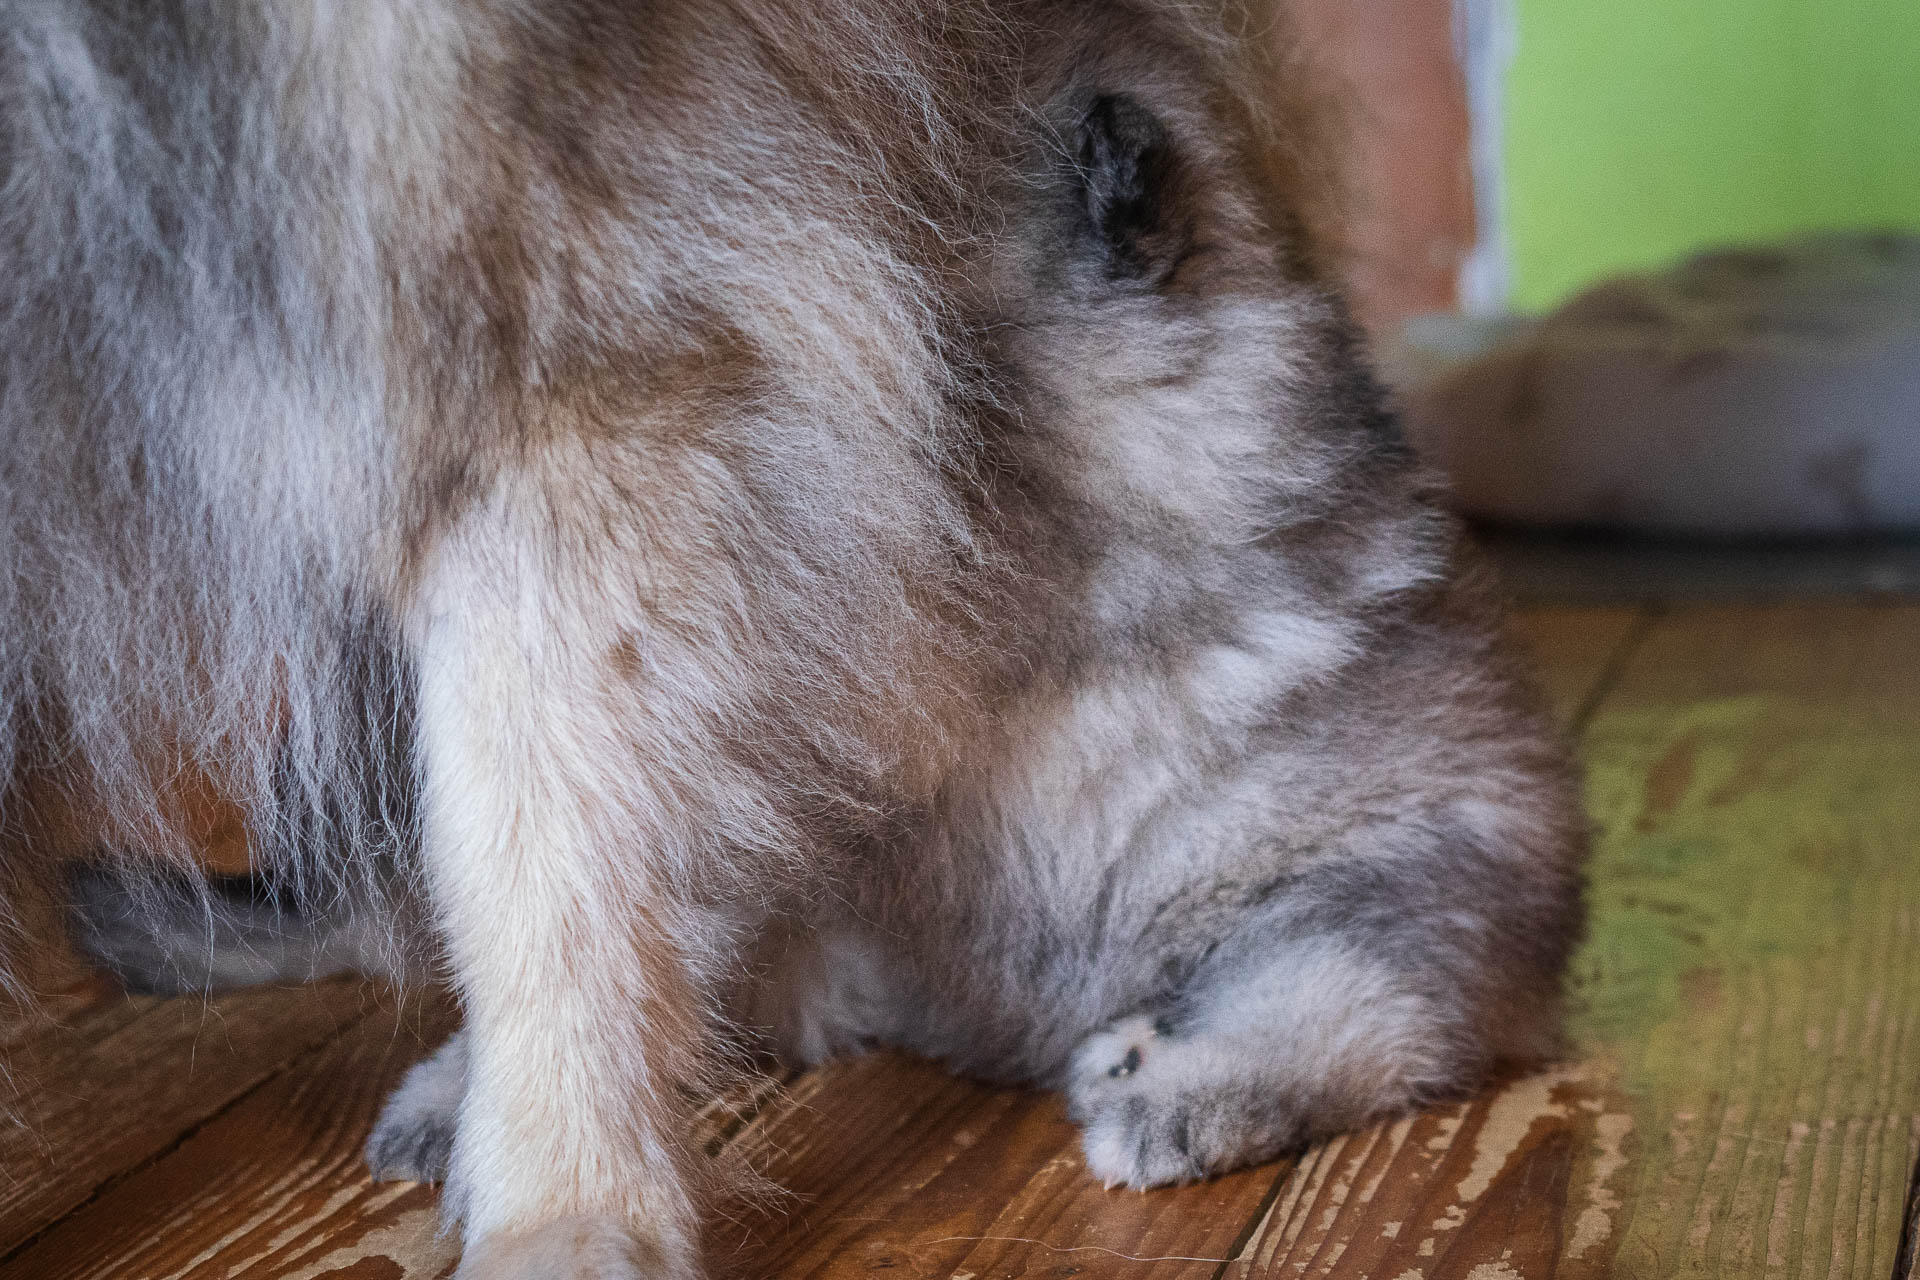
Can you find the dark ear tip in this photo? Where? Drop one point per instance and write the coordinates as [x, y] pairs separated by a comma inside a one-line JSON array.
[[1122, 120], [1126, 163], [1118, 139]]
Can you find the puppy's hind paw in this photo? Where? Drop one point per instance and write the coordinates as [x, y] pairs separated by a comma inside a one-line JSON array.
[[1118, 1052], [1114, 1092], [413, 1139], [1155, 1108]]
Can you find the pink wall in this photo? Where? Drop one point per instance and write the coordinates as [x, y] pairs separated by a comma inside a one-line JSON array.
[[1402, 104]]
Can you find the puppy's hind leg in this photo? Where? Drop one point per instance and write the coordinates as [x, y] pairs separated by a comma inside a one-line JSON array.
[[1317, 1040], [1362, 990]]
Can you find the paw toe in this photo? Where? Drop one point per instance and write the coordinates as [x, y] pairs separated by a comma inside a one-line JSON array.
[[411, 1148], [413, 1139], [1142, 1143], [1160, 1105]]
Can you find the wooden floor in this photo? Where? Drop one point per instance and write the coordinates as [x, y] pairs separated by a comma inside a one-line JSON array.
[[1745, 1100]]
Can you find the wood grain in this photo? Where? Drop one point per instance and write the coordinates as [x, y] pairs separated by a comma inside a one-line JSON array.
[[119, 1080], [273, 1188], [890, 1163], [1753, 979]]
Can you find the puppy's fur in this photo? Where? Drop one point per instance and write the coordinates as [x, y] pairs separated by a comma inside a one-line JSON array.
[[836, 521]]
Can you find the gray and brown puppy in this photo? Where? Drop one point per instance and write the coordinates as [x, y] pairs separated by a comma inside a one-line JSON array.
[[839, 520]]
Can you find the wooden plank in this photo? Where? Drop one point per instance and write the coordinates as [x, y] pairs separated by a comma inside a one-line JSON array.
[[1743, 1102], [890, 1163], [120, 1079], [272, 1188], [1478, 1189], [1760, 975]]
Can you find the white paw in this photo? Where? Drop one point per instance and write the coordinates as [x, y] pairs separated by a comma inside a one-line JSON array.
[[1123, 1091], [573, 1249], [1159, 1105]]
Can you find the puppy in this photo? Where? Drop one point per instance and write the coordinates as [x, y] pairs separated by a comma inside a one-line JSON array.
[[818, 521]]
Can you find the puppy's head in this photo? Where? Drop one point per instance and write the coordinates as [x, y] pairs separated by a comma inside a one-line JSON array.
[[1165, 303]]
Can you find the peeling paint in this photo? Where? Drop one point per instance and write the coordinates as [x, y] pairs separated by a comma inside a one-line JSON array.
[[1448, 1125], [1508, 1119], [1780, 1227], [1706, 1209], [1396, 1137], [1494, 1271], [1678, 1136], [1595, 1222], [412, 1234]]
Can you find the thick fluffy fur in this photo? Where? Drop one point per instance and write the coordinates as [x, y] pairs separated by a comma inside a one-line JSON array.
[[848, 522]]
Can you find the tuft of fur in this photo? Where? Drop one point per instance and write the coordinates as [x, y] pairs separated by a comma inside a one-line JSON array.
[[828, 523]]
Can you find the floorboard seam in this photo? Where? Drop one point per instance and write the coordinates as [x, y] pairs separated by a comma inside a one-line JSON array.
[[1903, 1256], [108, 1184], [1647, 616], [1260, 1212]]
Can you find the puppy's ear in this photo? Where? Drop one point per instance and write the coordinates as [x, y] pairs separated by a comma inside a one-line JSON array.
[[1130, 176]]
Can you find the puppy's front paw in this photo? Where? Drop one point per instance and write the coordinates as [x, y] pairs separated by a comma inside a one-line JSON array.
[[572, 1249], [413, 1139]]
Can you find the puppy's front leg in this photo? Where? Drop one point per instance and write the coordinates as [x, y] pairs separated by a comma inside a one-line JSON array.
[[546, 852]]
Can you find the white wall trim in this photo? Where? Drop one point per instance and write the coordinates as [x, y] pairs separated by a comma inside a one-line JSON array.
[[1486, 36]]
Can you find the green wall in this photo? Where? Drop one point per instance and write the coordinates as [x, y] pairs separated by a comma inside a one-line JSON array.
[[1638, 129]]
